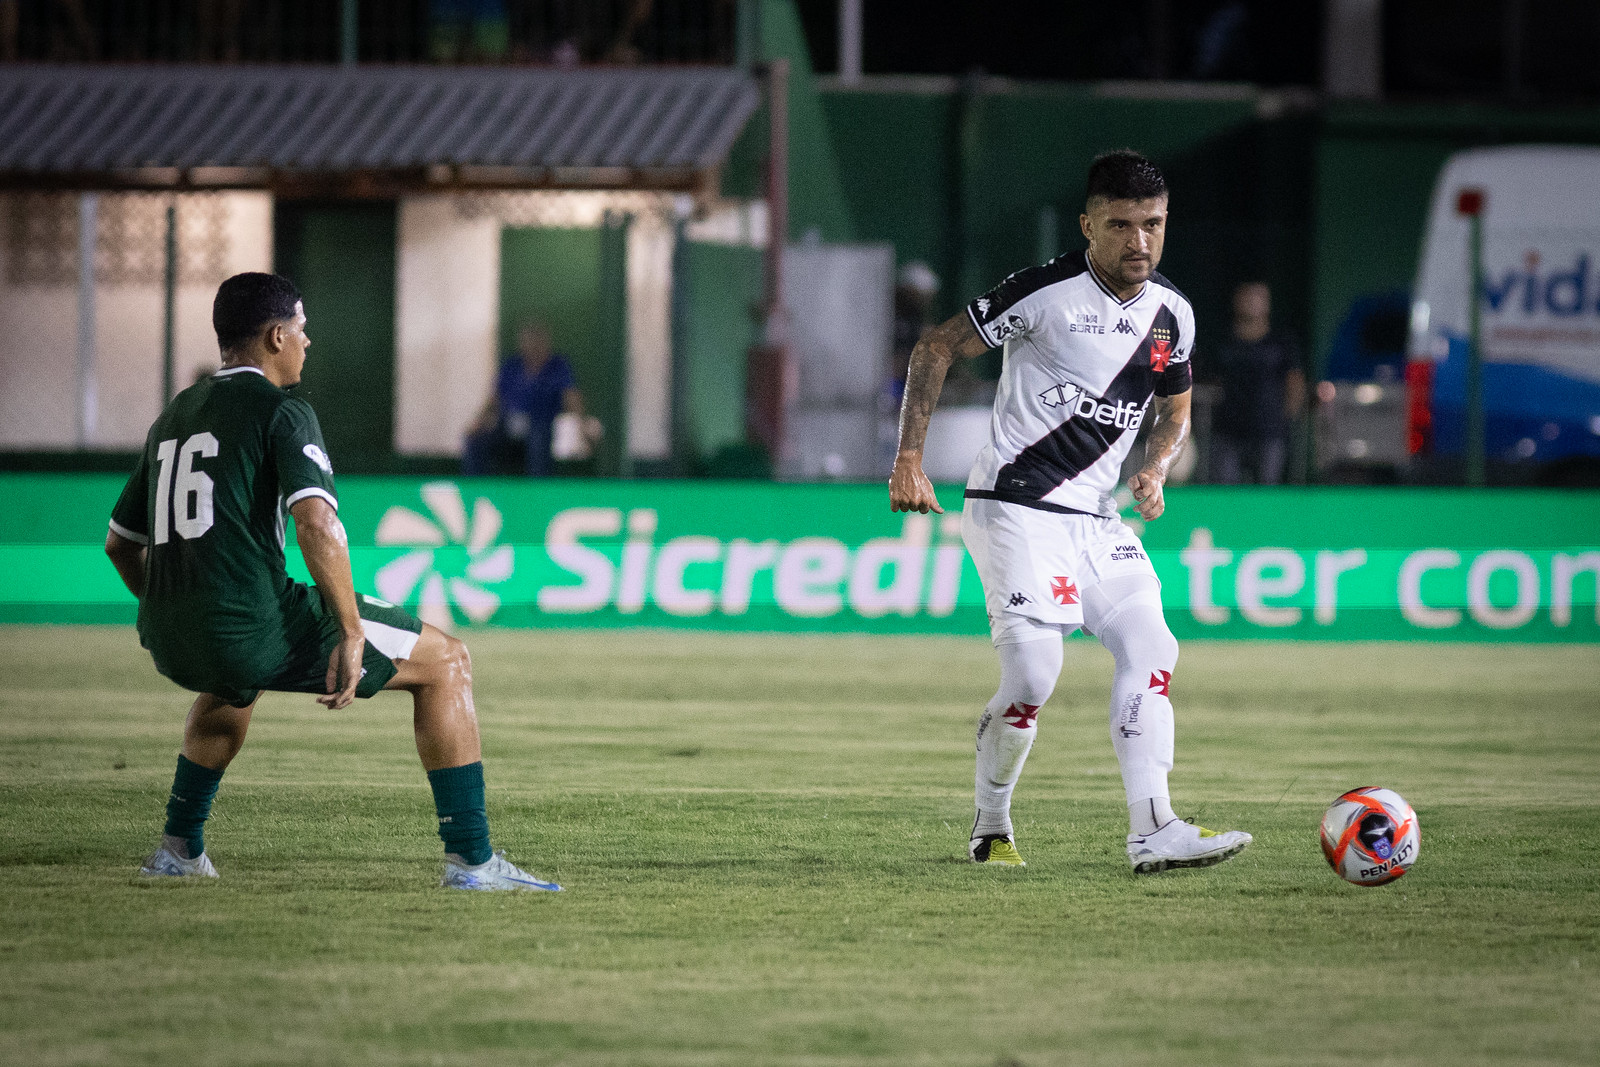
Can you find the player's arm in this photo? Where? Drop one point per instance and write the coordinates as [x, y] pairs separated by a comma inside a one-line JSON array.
[[327, 552], [909, 488], [1160, 452], [128, 539], [128, 558]]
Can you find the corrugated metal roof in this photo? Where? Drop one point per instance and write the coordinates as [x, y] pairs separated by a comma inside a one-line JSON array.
[[61, 121]]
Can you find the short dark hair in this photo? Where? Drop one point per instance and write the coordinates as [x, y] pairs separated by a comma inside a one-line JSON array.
[[1125, 175], [247, 302]]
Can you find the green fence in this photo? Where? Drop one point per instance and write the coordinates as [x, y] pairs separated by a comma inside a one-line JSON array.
[[1319, 564]]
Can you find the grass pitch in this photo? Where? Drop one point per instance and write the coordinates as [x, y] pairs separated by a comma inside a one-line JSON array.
[[762, 839]]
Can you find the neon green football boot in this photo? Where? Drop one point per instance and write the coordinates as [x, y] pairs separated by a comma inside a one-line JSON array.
[[995, 848]]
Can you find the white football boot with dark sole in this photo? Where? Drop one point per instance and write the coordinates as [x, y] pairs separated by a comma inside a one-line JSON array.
[[1179, 844], [497, 873]]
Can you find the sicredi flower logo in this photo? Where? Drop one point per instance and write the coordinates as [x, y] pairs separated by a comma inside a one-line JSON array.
[[451, 559]]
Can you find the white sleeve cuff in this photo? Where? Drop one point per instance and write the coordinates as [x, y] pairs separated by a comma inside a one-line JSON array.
[[295, 498], [127, 534]]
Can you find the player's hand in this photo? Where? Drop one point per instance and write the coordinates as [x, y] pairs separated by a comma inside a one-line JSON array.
[[909, 488], [344, 671], [1147, 496]]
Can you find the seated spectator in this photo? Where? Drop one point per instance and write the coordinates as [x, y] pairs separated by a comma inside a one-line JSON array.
[[514, 431]]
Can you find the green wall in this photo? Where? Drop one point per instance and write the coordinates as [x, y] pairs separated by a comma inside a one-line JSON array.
[[342, 256], [958, 177], [720, 288], [816, 195], [565, 279]]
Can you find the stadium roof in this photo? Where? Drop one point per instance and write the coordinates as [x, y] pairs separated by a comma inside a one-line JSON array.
[[372, 129]]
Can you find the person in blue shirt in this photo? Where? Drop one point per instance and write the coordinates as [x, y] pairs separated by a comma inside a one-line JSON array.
[[514, 430]]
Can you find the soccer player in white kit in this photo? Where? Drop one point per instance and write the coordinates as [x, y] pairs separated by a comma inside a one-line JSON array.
[[1090, 338]]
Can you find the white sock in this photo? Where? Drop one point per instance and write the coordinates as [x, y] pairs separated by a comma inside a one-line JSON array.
[[1149, 815], [1141, 709], [1028, 672]]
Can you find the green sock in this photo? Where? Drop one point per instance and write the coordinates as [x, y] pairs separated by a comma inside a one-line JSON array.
[[193, 789], [463, 822]]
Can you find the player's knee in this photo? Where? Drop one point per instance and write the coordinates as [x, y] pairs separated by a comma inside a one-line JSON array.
[[1034, 689], [1028, 673], [1140, 638], [1164, 647], [456, 663]]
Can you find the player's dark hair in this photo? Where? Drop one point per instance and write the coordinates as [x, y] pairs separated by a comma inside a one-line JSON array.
[[1125, 175], [247, 302]]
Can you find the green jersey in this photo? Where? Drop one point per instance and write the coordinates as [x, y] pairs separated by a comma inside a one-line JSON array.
[[220, 469]]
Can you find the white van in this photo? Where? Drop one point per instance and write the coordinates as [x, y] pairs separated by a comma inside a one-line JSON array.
[[1539, 318]]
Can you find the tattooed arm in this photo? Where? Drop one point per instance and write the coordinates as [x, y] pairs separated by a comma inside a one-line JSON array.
[[1165, 442], [909, 488]]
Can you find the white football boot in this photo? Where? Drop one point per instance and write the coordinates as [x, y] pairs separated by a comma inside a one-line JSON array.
[[1179, 844], [165, 862], [495, 873]]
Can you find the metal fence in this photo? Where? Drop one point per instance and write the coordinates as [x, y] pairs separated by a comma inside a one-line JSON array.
[[559, 32]]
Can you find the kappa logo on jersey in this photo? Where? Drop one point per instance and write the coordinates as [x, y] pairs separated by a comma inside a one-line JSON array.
[[1012, 326], [1018, 599], [1160, 348], [1124, 414], [1161, 682], [1064, 589], [319, 457], [1021, 715], [1124, 326]]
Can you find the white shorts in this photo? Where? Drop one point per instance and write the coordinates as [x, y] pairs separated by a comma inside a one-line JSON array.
[[1035, 565]]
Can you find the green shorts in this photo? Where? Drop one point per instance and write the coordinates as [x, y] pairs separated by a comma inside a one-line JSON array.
[[391, 633]]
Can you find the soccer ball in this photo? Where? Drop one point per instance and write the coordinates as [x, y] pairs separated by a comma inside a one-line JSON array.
[[1370, 836]]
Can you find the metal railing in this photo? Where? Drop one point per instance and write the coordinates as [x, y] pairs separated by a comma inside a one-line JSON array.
[[559, 32]]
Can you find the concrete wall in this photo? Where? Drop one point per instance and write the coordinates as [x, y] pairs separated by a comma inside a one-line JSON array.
[[447, 309], [39, 308], [447, 314], [650, 337]]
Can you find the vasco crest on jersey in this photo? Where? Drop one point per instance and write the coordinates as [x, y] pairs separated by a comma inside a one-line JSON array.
[[1160, 348]]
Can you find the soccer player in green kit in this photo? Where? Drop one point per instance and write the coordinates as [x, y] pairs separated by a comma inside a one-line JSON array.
[[198, 535]]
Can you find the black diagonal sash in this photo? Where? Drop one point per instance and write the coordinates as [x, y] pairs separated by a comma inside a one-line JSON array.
[[1079, 443]]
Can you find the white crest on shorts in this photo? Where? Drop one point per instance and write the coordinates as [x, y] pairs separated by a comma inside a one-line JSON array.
[[319, 457]]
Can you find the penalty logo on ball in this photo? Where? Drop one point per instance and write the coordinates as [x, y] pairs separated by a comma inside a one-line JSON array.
[[1370, 836]]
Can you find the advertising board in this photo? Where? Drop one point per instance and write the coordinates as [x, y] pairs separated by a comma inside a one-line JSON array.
[[1343, 564]]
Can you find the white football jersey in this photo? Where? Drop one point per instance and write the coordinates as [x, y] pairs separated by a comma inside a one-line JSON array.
[[1080, 369]]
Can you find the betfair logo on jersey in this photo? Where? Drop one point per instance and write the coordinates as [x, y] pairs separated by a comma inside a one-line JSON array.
[[1124, 414], [1124, 326]]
